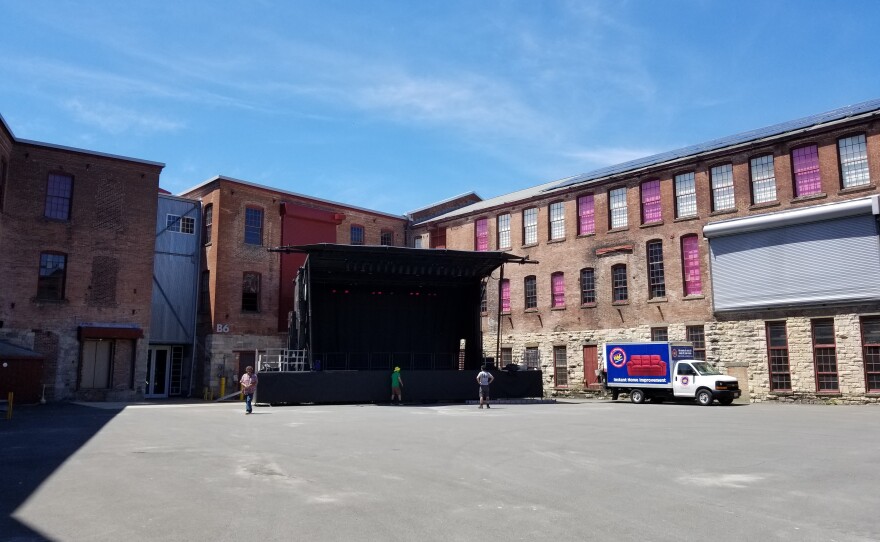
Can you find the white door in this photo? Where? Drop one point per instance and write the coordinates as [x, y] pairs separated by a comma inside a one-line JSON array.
[[158, 375], [683, 383]]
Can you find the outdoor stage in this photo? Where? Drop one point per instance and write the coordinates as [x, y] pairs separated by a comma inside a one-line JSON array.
[[279, 388]]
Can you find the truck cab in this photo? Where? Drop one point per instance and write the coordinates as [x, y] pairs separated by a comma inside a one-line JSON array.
[[702, 381]]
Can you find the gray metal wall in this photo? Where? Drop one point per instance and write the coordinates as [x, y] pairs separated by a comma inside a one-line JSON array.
[[175, 273]]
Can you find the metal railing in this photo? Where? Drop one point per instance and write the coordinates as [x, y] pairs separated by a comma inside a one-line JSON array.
[[283, 360]]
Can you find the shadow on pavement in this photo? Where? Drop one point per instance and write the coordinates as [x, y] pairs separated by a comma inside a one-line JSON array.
[[33, 444]]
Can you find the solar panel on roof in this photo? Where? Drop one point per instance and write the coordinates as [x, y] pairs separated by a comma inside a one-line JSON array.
[[720, 143]]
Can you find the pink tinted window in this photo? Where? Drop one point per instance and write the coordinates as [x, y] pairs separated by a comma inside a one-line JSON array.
[[505, 295], [482, 234], [586, 215], [651, 202], [557, 287], [690, 253], [806, 171]]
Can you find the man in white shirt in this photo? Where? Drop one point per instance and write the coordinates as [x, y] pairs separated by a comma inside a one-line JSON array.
[[484, 379]]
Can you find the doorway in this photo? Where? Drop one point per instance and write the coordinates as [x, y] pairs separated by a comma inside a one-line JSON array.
[[158, 362], [591, 366]]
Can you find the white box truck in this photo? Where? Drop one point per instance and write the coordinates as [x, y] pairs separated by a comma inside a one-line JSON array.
[[657, 371]]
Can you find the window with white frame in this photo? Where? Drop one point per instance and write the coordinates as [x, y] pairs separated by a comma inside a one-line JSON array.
[[557, 221], [530, 226], [560, 367], [685, 195], [763, 179], [853, 154], [617, 208], [656, 276], [180, 224], [588, 286], [619, 288], [722, 187], [530, 285], [504, 231]]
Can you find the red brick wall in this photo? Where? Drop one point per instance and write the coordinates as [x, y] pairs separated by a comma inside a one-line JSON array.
[[111, 226]]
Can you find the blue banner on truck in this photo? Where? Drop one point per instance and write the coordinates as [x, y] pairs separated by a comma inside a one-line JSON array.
[[642, 363]]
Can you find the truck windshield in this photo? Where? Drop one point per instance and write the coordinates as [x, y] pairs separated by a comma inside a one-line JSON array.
[[705, 368]]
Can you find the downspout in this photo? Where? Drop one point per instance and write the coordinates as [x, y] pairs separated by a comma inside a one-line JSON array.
[[197, 279], [498, 319]]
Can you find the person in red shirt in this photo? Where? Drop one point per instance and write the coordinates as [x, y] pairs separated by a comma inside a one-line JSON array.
[[248, 388]]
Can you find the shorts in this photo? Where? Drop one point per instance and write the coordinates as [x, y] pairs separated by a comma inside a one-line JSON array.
[[484, 391]]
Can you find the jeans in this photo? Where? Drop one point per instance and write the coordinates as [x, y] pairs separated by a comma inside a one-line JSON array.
[[248, 398]]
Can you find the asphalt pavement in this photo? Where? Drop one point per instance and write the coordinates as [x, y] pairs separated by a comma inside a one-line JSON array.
[[590, 470]]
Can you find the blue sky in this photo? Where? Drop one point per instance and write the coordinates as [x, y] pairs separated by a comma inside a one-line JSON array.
[[393, 105]]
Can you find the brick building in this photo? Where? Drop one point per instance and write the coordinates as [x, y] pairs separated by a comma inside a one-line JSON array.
[[631, 252], [246, 292], [76, 257]]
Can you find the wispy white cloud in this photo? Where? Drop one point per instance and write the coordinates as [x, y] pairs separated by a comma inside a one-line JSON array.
[[116, 120]]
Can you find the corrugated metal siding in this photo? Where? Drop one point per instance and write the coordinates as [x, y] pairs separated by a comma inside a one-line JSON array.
[[175, 274], [831, 261]]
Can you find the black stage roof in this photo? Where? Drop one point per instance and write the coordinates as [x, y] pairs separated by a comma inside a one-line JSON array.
[[376, 263]]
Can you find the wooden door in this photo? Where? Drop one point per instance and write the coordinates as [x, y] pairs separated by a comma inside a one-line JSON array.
[[591, 365]]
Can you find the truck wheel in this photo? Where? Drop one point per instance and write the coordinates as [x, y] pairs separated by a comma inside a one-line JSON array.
[[726, 401], [704, 397], [637, 396]]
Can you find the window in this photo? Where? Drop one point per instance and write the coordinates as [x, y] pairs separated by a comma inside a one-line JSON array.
[[807, 180], [588, 286], [3, 169], [586, 215], [205, 293], [503, 231], [690, 260], [532, 358], [506, 356], [531, 290], [871, 352], [853, 154], [357, 234], [208, 222], [530, 226], [560, 366], [386, 238], [557, 289], [484, 303], [685, 195], [253, 226], [250, 292], [777, 355], [656, 278], [722, 187], [651, 202], [617, 208], [438, 238], [53, 272], [557, 221], [180, 224], [763, 179], [417, 241], [660, 334], [505, 295], [59, 191], [619, 292], [696, 335], [825, 355], [481, 241]]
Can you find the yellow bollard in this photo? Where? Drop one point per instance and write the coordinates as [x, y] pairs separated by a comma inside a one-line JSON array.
[[9, 408], [222, 386]]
